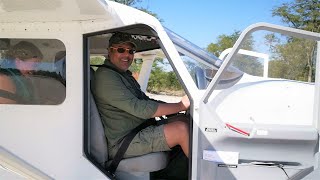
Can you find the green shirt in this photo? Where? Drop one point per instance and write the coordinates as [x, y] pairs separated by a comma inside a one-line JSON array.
[[121, 103], [24, 87]]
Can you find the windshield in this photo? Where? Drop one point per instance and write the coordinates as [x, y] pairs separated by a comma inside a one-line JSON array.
[[201, 64]]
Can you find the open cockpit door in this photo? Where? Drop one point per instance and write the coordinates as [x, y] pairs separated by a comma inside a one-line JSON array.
[[259, 128]]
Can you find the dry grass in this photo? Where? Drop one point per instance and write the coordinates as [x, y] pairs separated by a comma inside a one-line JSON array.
[[179, 93]]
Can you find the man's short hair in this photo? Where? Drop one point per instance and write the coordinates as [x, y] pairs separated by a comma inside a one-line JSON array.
[[120, 38]]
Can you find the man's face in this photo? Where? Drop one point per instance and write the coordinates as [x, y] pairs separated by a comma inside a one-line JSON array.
[[27, 65], [121, 59]]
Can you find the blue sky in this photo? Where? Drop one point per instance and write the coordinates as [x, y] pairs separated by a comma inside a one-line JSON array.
[[203, 21]]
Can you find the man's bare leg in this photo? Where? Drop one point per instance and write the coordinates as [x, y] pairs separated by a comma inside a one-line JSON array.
[[177, 133]]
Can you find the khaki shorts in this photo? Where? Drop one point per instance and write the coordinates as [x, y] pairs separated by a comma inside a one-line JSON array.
[[150, 139]]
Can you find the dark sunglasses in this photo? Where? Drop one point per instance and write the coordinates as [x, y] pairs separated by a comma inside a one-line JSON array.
[[122, 50]]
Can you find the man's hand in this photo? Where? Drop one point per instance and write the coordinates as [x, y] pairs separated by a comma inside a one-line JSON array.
[[185, 102], [172, 108]]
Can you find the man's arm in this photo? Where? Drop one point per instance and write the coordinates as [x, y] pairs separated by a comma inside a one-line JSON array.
[[7, 85], [171, 108], [110, 89]]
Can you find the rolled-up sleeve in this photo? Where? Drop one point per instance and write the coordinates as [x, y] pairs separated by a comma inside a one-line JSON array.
[[109, 88]]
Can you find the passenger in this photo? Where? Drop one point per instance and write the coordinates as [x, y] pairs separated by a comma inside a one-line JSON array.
[[20, 63], [60, 65], [123, 106]]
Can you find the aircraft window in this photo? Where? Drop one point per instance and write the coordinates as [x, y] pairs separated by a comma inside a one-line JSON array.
[[202, 74], [163, 84], [32, 71], [198, 71]]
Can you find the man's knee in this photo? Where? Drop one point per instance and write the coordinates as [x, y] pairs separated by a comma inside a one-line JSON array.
[[183, 126], [178, 128]]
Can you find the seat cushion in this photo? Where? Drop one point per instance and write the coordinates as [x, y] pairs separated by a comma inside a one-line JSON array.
[[146, 163]]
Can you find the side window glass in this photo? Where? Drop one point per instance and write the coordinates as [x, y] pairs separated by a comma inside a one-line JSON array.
[[32, 71], [197, 71], [163, 83]]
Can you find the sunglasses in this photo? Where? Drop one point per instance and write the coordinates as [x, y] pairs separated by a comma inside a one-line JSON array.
[[122, 50]]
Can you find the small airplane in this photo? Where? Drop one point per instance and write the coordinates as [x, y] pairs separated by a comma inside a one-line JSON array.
[[241, 126]]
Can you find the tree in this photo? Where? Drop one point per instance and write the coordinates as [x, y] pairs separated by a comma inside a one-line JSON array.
[[271, 40], [162, 81], [301, 14], [224, 42], [291, 61]]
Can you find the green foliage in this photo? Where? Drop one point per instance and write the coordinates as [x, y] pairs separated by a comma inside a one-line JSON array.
[[224, 42], [301, 14], [271, 40], [135, 67], [294, 61], [227, 41], [162, 81], [297, 54], [96, 60]]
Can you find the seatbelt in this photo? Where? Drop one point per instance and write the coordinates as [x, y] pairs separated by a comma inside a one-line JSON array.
[[129, 137], [9, 95], [125, 144]]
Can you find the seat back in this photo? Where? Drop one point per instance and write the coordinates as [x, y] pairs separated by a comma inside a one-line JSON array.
[[98, 142]]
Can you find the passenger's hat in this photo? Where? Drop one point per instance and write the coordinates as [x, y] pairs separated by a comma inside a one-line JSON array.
[[25, 50], [120, 38]]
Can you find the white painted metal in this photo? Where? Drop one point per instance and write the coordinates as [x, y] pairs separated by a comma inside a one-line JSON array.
[[54, 11], [50, 137], [18, 166], [9, 174], [316, 108], [145, 70], [257, 96], [265, 58]]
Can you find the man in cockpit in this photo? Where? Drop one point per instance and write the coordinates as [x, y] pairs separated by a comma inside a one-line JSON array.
[[123, 106]]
